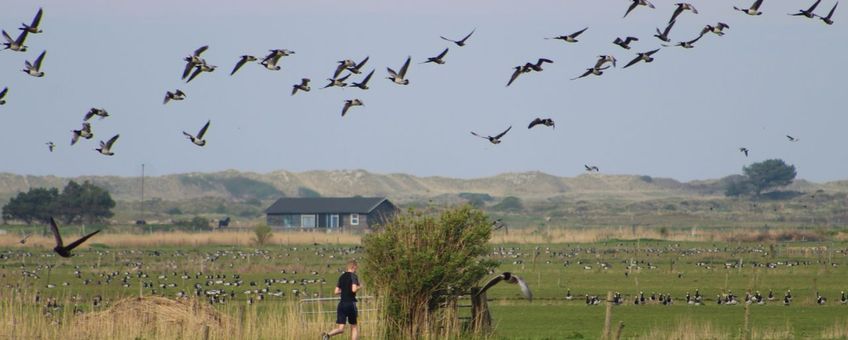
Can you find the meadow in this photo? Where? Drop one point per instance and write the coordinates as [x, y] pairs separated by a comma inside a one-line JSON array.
[[218, 285]]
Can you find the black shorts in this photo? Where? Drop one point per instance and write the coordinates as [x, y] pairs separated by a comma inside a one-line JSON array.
[[346, 311]]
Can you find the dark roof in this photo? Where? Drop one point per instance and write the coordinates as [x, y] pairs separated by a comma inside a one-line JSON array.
[[325, 205]]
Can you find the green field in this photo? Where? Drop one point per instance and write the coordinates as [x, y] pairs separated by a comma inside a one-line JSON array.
[[550, 270]]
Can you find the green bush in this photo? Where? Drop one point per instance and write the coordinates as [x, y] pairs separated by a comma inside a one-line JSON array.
[[262, 234]]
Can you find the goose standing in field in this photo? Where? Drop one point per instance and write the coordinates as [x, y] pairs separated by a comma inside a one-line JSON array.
[[193, 60], [771, 295], [84, 132], [3, 95], [664, 34], [687, 44], [644, 56], [338, 82], [95, 112], [572, 38], [568, 295], [843, 299], [592, 168], [753, 10], [33, 27], [718, 29], [357, 68], [302, 86], [198, 140], [439, 59], [176, 95], [364, 83], [744, 150], [16, 45], [61, 248], [591, 71], [200, 68], [509, 278], [400, 77], [680, 8], [821, 300], [808, 12], [34, 69], [350, 103], [636, 3], [625, 43], [50, 146], [460, 43], [540, 121], [106, 148], [242, 60], [494, 140], [829, 18]]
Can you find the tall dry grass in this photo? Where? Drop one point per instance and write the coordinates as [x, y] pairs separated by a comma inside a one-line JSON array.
[[839, 330], [179, 238]]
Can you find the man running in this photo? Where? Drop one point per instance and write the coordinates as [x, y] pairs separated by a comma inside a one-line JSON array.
[[346, 312]]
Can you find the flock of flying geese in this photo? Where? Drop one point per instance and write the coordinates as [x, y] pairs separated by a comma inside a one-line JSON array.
[[195, 65]]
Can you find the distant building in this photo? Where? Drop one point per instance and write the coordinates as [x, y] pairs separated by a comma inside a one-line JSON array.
[[360, 213]]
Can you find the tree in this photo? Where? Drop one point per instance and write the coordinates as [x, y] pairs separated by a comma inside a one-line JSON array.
[[419, 263], [509, 204], [262, 234], [35, 205], [736, 185], [769, 174], [85, 203]]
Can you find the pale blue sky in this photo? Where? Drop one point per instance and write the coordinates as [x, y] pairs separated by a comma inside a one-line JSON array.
[[683, 116]]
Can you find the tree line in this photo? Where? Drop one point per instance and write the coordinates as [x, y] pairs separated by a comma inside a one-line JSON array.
[[76, 203]]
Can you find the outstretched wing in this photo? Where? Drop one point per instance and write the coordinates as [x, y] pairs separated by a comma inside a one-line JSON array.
[[39, 60], [3, 93], [578, 33], [392, 72], [503, 133], [37, 19], [405, 67], [203, 130], [80, 241], [525, 289], [200, 50], [7, 37], [474, 133], [631, 8], [367, 78], [240, 63], [468, 36], [514, 76], [194, 74], [187, 69], [362, 63], [495, 280], [56, 235], [442, 55], [22, 37], [635, 60], [535, 122], [756, 5], [112, 141], [588, 72]]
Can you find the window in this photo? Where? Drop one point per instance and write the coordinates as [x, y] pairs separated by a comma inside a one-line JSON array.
[[334, 221], [354, 219], [307, 221]]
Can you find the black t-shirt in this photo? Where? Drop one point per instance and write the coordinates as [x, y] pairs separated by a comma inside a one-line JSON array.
[[345, 285]]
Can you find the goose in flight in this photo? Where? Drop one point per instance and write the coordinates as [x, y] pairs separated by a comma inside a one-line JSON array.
[[644, 56], [349, 103], [792, 139], [270, 61], [495, 139], [303, 86], [540, 121], [603, 59], [50, 146], [176, 95], [718, 29], [664, 34], [682, 7], [688, 44], [16, 45], [572, 38], [106, 148], [808, 12], [460, 43], [34, 69], [193, 60], [439, 59], [509, 278], [400, 77], [744, 150], [242, 60], [62, 249], [198, 140], [33, 27], [828, 19], [518, 71], [340, 82], [625, 43], [753, 10], [84, 132], [636, 3], [592, 168], [597, 71], [357, 68], [95, 112], [343, 65], [3, 95], [200, 68], [538, 65], [364, 83]]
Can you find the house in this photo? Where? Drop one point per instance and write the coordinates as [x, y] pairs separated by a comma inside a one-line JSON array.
[[329, 212]]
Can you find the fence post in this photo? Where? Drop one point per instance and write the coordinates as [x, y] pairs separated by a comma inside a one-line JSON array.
[[481, 319], [608, 317]]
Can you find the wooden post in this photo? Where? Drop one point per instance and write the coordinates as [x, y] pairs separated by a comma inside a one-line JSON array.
[[608, 318], [620, 328], [481, 319]]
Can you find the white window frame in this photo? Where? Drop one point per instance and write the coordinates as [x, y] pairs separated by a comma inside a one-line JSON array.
[[337, 220], [305, 216], [354, 219]]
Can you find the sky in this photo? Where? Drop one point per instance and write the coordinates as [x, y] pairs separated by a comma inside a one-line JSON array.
[[683, 116]]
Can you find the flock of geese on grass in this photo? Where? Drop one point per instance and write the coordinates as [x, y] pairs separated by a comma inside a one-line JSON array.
[[196, 65]]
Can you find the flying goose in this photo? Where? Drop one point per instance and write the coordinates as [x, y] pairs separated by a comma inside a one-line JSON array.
[[84, 132], [460, 43], [644, 56], [61, 248], [16, 45], [538, 65], [400, 77], [358, 68], [792, 139], [340, 82], [351, 102], [270, 61], [664, 34], [50, 146], [509, 278], [592, 168], [343, 65], [753, 10], [193, 60], [744, 150], [3, 95], [176, 95], [518, 71], [33, 27], [303, 86], [546, 122], [680, 8], [95, 112], [625, 44], [572, 38], [603, 59], [808, 12], [439, 59], [688, 44], [364, 83], [242, 60], [636, 3], [34, 69], [495, 139], [717, 29], [106, 148], [828, 19], [597, 71], [198, 140], [200, 68]]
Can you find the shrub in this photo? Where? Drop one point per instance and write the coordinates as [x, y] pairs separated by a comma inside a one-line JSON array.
[[262, 234]]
